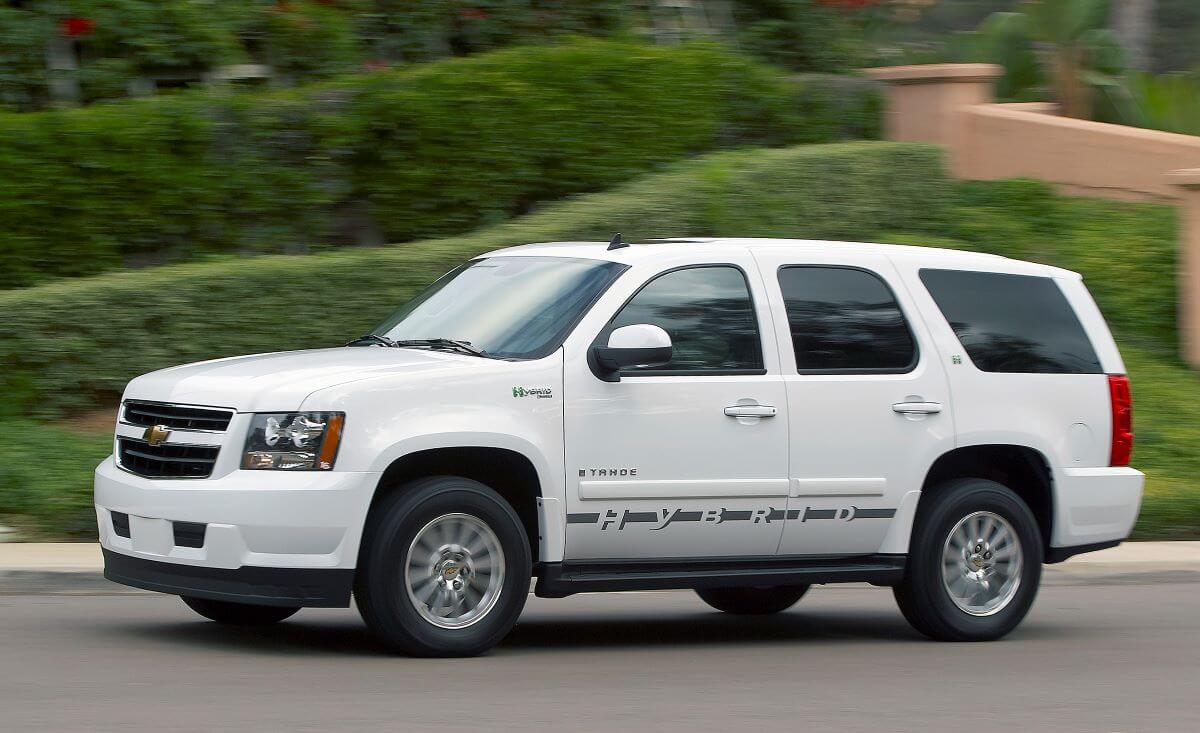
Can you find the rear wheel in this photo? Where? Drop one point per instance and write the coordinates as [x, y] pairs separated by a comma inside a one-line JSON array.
[[444, 568], [752, 601], [239, 614], [974, 563]]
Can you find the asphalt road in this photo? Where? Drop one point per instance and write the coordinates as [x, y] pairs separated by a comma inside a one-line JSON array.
[[1088, 658]]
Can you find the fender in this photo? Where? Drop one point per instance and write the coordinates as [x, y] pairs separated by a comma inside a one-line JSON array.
[[900, 532], [551, 483]]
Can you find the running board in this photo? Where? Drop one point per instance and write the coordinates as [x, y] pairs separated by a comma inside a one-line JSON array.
[[561, 579]]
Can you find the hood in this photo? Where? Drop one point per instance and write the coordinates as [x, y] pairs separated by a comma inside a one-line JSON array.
[[280, 381]]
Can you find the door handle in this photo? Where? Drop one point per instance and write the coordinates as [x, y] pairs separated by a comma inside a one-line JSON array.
[[917, 408], [750, 411]]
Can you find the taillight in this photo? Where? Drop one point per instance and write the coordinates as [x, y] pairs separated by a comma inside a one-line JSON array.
[[1122, 420]]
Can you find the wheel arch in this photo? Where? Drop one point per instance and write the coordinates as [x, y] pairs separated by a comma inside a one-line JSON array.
[[1023, 469], [517, 475]]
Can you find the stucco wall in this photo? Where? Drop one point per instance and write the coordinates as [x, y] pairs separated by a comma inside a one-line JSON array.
[[1089, 158]]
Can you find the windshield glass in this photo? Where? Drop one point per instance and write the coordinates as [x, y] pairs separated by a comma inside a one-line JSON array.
[[510, 307]]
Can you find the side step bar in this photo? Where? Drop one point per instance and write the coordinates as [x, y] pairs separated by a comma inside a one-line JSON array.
[[561, 579]]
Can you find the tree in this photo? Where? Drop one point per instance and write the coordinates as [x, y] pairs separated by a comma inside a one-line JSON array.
[[1082, 54]]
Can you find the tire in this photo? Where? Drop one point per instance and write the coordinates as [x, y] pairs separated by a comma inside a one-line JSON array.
[[940, 594], [411, 551], [752, 601], [239, 614]]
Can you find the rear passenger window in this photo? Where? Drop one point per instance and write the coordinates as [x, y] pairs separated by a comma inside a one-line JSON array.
[[709, 315], [1012, 323], [845, 320]]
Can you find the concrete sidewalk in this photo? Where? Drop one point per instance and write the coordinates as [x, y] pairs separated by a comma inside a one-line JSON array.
[[27, 568]]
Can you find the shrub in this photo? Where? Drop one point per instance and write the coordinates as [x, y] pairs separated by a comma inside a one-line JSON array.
[[23, 76], [74, 344], [309, 40], [422, 30], [805, 35], [46, 480], [431, 151]]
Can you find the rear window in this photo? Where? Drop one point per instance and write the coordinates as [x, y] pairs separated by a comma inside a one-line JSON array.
[[1012, 323]]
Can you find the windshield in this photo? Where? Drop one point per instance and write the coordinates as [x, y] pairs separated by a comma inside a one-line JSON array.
[[510, 307]]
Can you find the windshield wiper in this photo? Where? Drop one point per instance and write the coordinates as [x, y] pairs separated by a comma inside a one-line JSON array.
[[372, 338], [456, 344]]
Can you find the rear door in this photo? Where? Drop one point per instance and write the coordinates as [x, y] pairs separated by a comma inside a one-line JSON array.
[[688, 459], [868, 401]]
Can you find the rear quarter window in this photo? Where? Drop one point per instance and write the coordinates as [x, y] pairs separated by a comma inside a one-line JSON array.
[[1012, 323]]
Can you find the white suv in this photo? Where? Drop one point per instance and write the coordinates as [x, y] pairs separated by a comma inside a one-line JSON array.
[[741, 417]]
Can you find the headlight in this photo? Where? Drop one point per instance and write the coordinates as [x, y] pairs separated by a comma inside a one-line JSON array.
[[293, 441]]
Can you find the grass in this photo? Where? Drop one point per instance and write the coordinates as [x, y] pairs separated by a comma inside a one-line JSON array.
[[884, 192]]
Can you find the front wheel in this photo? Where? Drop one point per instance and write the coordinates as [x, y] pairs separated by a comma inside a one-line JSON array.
[[444, 569], [974, 563], [752, 601], [238, 614]]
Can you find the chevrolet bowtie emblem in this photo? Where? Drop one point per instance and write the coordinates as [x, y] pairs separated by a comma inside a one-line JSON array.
[[156, 435]]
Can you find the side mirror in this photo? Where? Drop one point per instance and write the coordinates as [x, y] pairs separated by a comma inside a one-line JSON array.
[[638, 345]]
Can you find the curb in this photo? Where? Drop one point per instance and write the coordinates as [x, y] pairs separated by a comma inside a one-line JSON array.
[[61, 582]]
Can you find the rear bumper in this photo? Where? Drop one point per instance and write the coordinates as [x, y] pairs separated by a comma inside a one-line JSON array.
[[257, 585], [1094, 508]]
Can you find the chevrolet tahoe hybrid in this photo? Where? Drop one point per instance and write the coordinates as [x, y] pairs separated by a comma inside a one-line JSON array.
[[741, 417]]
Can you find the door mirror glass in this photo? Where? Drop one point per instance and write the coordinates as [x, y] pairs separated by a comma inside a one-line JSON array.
[[640, 344]]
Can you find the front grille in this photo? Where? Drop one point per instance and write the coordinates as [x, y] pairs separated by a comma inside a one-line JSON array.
[[189, 534], [167, 461], [177, 417]]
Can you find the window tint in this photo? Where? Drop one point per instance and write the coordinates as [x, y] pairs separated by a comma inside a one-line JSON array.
[[845, 320], [709, 315], [1012, 323]]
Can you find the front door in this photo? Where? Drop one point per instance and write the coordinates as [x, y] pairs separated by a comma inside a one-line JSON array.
[[688, 459]]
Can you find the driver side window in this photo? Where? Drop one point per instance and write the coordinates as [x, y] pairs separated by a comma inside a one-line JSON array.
[[709, 315]]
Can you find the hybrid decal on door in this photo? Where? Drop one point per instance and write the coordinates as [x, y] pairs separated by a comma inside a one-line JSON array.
[[542, 393], [666, 517]]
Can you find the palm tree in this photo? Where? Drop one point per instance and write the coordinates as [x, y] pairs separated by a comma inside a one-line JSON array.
[[1082, 53]]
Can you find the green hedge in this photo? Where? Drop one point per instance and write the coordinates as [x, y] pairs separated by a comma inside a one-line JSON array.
[[435, 150], [74, 343]]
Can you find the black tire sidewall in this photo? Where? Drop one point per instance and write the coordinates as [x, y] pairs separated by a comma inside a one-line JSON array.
[[752, 601], [238, 614], [379, 583], [937, 615]]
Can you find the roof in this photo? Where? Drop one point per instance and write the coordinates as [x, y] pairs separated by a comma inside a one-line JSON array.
[[650, 250]]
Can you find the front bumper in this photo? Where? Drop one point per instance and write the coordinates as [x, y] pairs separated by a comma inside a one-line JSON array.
[[328, 588], [258, 528]]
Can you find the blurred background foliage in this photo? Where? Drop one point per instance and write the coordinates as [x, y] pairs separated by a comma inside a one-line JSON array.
[[426, 150]]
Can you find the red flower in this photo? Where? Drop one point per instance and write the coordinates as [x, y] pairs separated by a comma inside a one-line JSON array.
[[75, 27], [473, 14]]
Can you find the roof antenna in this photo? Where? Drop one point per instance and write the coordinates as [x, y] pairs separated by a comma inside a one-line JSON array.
[[616, 242]]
